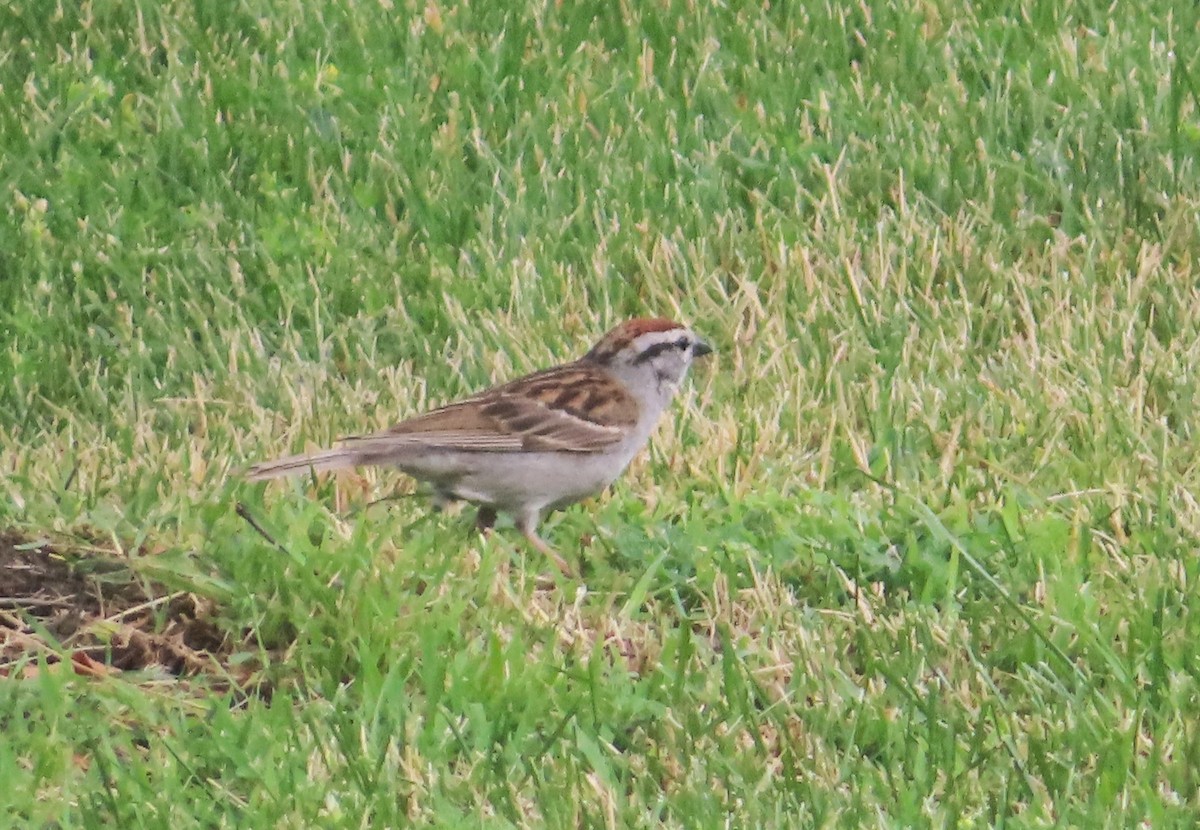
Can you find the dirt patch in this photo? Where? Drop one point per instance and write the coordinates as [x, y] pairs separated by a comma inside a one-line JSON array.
[[81, 607]]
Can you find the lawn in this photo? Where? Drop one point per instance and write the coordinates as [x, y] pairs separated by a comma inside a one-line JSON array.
[[916, 549]]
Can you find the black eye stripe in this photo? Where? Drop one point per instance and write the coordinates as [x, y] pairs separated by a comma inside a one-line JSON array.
[[651, 352], [654, 351]]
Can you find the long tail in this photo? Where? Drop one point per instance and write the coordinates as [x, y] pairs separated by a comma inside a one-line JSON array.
[[337, 458]]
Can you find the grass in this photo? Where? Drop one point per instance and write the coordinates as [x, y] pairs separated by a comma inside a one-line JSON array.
[[917, 549]]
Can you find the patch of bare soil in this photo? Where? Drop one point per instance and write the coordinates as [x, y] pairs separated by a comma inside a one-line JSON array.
[[87, 611]]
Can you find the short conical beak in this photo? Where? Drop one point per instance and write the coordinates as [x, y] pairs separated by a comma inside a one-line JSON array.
[[700, 349]]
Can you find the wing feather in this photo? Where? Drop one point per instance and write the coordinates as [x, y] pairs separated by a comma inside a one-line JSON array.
[[578, 408]]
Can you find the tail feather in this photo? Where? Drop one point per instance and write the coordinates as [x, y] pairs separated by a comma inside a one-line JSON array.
[[337, 458]]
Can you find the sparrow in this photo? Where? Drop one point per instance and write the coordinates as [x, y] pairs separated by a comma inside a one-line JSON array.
[[537, 443]]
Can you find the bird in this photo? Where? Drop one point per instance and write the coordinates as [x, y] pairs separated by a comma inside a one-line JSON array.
[[535, 444]]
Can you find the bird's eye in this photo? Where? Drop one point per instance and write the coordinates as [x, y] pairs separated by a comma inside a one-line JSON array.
[[682, 344]]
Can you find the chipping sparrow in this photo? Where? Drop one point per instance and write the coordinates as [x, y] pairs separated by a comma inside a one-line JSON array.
[[537, 443]]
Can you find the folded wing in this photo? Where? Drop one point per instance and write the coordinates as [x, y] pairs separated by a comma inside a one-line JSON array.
[[576, 408]]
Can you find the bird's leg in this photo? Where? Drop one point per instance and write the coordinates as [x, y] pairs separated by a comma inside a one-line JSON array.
[[527, 524], [485, 519]]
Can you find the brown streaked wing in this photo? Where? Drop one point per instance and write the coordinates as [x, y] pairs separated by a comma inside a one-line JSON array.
[[574, 408]]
